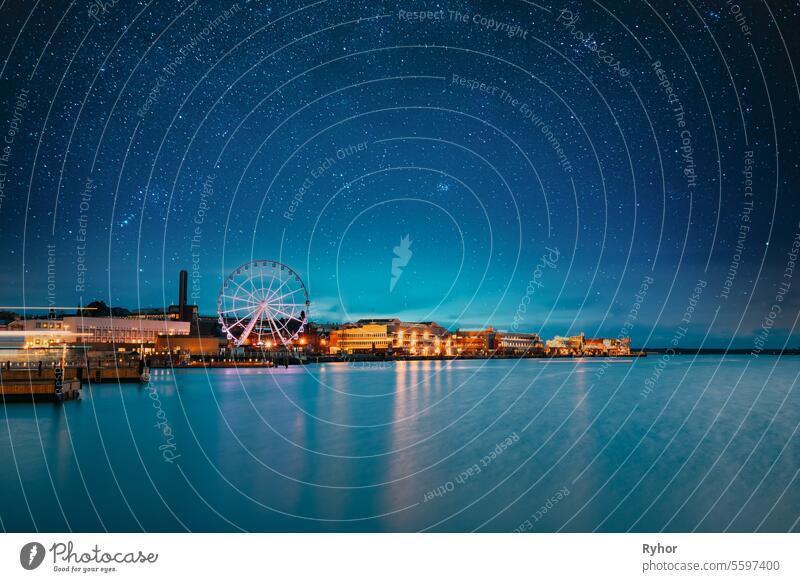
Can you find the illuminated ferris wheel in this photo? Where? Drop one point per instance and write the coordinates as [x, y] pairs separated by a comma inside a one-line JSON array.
[[264, 302]]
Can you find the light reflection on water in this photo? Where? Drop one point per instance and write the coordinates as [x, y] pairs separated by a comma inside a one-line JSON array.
[[341, 447]]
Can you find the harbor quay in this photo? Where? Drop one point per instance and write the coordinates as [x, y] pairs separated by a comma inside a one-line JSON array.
[[50, 355]]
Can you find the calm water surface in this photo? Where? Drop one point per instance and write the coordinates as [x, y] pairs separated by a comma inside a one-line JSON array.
[[570, 445]]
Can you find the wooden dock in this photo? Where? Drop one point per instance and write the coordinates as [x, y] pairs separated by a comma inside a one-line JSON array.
[[96, 375], [39, 390], [56, 384]]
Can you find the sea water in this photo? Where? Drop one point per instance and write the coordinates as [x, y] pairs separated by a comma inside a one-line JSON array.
[[679, 443]]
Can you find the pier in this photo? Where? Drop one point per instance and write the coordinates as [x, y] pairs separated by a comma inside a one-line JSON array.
[[37, 381], [27, 386]]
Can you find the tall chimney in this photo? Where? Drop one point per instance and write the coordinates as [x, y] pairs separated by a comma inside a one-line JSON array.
[[182, 295]]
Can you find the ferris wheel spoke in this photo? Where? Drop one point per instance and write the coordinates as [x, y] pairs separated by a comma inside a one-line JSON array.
[[288, 315], [276, 329], [258, 327], [249, 328], [263, 289], [236, 299], [285, 326], [286, 294], [247, 315], [251, 307], [255, 299], [257, 293], [277, 290], [284, 320], [251, 285], [269, 317], [268, 288]]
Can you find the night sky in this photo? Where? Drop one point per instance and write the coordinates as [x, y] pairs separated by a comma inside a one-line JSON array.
[[558, 167]]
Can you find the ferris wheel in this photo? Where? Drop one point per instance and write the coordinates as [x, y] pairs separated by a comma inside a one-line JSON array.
[[265, 302]]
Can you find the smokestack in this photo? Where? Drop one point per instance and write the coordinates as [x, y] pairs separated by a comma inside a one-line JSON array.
[[182, 295]]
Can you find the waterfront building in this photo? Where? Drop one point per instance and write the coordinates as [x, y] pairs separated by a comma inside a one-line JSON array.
[[391, 336], [117, 330], [619, 347], [356, 339], [578, 345], [38, 333], [69, 331], [565, 346], [596, 347], [314, 339], [425, 338], [190, 344], [333, 342], [473, 342], [516, 343], [607, 347]]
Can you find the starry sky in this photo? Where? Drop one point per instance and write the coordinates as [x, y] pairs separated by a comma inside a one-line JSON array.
[[615, 168]]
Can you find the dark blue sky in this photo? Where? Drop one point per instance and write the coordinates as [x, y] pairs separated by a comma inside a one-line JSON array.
[[644, 144]]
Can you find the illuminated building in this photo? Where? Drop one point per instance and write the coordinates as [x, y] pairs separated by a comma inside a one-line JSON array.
[[425, 338], [608, 347], [367, 338], [596, 347], [473, 342], [565, 346], [194, 345], [391, 336], [578, 345], [39, 333], [516, 343], [620, 347], [315, 338], [123, 331]]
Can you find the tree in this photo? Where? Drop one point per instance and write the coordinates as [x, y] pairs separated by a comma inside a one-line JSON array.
[[8, 316], [100, 309]]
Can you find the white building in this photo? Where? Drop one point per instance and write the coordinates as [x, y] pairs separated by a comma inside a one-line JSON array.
[[123, 331], [36, 333]]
